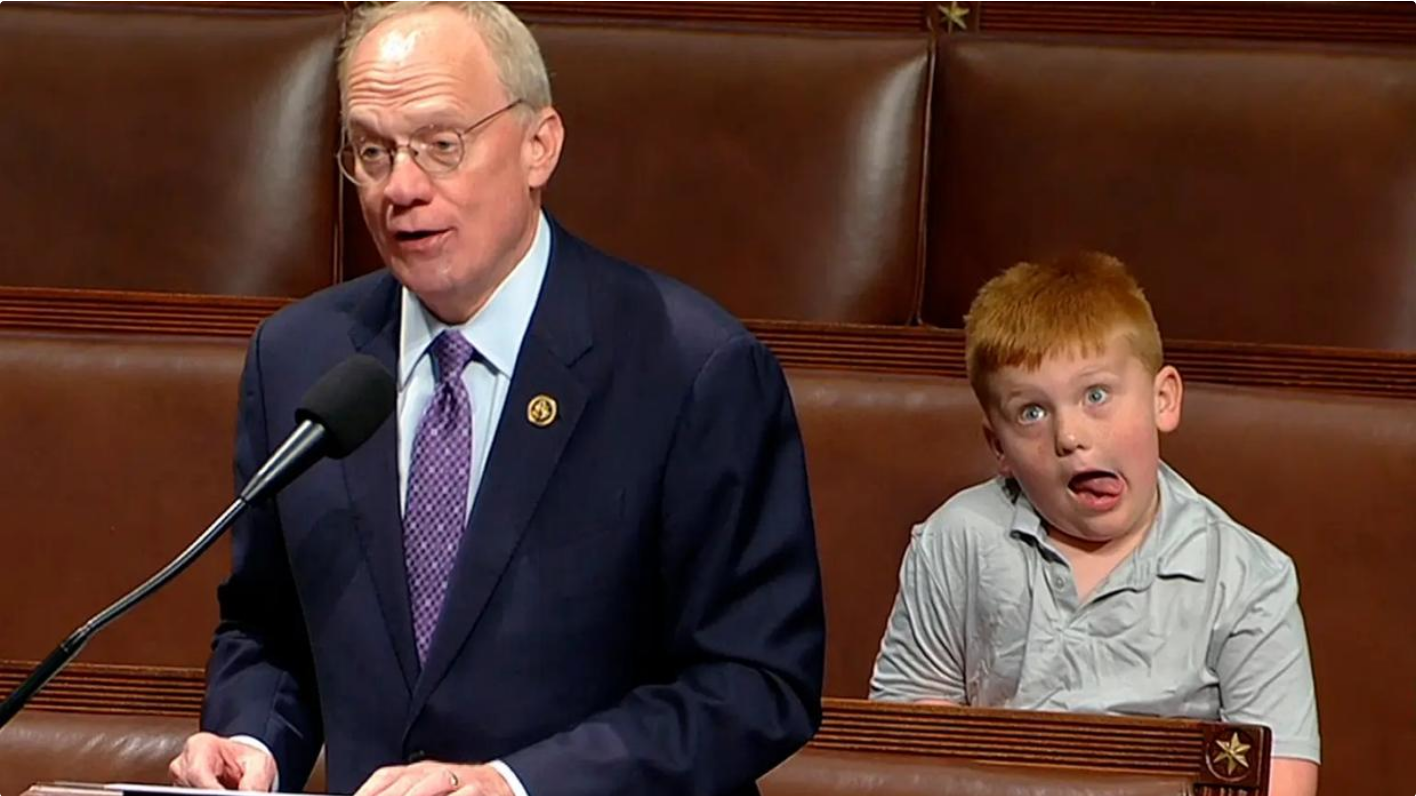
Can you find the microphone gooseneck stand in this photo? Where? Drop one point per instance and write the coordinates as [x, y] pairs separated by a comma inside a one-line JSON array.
[[71, 646], [339, 413]]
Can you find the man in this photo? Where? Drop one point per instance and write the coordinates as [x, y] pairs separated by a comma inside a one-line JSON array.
[[580, 560]]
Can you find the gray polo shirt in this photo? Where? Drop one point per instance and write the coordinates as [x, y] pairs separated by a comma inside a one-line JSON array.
[[1201, 621]]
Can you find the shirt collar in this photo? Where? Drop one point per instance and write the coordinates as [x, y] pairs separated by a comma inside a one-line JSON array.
[[498, 328], [1180, 549], [1026, 521]]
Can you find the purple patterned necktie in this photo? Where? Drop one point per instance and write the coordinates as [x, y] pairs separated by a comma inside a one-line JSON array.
[[437, 486]]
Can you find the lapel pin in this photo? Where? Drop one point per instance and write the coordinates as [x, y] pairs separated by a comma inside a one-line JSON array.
[[541, 411]]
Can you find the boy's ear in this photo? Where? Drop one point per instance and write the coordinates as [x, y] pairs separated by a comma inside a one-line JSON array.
[[991, 437], [1169, 395]]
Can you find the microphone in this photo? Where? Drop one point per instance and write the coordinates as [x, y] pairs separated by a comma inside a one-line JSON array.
[[337, 415], [344, 408]]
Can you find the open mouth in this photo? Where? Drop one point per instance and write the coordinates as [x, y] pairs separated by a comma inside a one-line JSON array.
[[1098, 490], [412, 236]]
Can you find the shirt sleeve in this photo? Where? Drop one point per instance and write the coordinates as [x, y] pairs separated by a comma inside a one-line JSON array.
[[512, 781], [1265, 675], [922, 654], [257, 743]]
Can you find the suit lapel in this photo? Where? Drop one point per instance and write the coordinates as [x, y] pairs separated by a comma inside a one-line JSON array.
[[371, 477], [523, 456]]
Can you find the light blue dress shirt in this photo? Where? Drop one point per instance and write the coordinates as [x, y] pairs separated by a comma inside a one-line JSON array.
[[496, 332]]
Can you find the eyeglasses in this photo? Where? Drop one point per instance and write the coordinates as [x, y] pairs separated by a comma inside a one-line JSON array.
[[436, 150]]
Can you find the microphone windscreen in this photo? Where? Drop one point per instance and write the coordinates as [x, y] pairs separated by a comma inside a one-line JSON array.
[[350, 401]]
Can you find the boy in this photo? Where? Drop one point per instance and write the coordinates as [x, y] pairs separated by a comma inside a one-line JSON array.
[[1090, 576]]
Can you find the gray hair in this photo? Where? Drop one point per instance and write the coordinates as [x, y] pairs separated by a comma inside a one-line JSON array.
[[520, 68]]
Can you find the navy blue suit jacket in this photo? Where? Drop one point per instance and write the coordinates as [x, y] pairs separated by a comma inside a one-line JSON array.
[[636, 605]]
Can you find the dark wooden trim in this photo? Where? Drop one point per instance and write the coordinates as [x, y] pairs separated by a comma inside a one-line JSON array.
[[1364, 23], [208, 7], [1176, 747], [1325, 22], [932, 351], [851, 347], [111, 688], [65, 310], [1353, 22], [854, 16]]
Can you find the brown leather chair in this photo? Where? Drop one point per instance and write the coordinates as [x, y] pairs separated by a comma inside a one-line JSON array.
[[47, 746], [188, 150], [118, 455], [43, 746], [1262, 193]]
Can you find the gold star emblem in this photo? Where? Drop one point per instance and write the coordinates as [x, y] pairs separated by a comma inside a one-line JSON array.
[[954, 14], [1231, 754], [541, 412]]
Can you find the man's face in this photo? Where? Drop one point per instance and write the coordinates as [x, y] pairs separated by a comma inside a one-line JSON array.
[[450, 238], [1079, 434]]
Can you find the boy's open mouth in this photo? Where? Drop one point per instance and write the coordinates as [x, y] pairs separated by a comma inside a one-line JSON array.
[[1097, 489]]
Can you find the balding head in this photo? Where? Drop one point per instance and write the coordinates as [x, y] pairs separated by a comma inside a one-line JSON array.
[[509, 44]]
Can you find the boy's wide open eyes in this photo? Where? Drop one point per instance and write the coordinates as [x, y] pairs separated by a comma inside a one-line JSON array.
[[1095, 395], [1030, 414]]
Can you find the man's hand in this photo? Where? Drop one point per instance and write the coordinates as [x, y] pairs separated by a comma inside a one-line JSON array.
[[210, 761], [429, 778]]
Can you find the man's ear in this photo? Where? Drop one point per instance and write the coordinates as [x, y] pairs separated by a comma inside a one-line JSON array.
[[1169, 396], [991, 437], [541, 149]]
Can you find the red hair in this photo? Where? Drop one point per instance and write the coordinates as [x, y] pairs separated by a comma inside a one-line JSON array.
[[1077, 302]]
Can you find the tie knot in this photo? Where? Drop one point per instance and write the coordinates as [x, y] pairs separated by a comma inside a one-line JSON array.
[[451, 353]]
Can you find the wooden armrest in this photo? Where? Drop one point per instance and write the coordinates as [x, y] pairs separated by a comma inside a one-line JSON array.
[[1216, 759]]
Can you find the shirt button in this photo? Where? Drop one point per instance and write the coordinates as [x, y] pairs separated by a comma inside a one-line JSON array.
[[1059, 581]]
